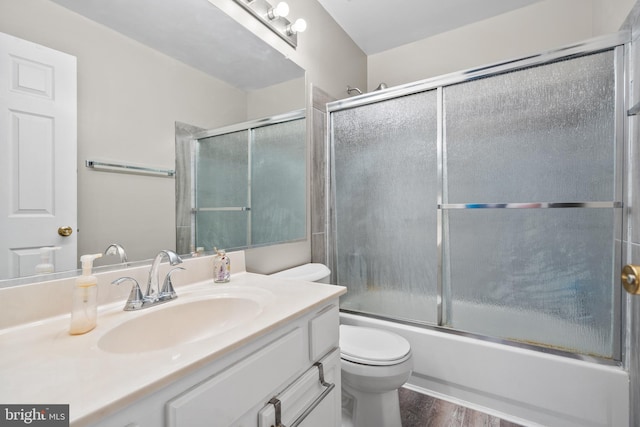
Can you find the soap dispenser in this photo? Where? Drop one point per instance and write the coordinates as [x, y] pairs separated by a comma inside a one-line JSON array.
[[45, 265], [84, 309], [221, 267]]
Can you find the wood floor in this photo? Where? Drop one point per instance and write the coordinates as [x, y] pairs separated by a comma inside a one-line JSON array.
[[420, 410]]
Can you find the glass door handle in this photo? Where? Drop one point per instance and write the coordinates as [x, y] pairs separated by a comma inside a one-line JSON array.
[[631, 278]]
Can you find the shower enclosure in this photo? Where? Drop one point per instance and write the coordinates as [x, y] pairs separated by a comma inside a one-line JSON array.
[[250, 183], [488, 203]]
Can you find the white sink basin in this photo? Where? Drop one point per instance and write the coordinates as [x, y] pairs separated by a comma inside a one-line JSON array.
[[175, 323]]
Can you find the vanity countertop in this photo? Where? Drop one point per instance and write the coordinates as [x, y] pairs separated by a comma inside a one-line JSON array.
[[42, 364]]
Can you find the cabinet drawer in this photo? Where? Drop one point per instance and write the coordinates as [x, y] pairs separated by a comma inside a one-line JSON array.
[[222, 398]]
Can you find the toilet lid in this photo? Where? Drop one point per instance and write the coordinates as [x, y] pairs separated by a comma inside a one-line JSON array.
[[370, 346]]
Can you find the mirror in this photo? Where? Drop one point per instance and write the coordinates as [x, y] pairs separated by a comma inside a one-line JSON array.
[[140, 70]]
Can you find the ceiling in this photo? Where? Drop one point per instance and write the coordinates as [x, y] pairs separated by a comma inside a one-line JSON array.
[[214, 42], [376, 25]]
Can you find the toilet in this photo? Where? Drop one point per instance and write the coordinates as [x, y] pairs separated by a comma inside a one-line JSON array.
[[374, 364], [313, 272]]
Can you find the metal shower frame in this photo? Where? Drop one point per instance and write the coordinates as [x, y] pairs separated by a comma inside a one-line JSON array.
[[619, 44]]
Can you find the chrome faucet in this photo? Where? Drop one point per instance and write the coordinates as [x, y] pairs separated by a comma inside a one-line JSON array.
[[116, 249], [154, 294], [153, 284], [136, 300]]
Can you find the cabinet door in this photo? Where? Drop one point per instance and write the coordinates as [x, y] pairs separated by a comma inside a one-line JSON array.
[[223, 398], [324, 332]]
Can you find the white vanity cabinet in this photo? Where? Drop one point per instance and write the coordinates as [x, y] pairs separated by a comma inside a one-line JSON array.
[[280, 367]]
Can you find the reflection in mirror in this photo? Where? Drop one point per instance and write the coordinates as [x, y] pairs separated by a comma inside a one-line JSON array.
[[134, 82], [249, 184]]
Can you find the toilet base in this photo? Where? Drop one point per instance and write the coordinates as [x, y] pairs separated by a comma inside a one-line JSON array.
[[371, 409]]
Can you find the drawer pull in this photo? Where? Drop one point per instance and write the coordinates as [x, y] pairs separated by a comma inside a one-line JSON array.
[[278, 405]]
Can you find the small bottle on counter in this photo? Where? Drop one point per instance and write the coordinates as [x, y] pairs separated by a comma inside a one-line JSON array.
[[221, 267]]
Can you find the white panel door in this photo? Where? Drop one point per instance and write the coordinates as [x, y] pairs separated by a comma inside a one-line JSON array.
[[38, 120]]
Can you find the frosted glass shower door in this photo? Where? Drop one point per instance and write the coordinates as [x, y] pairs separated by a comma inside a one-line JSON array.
[[531, 204], [278, 181], [385, 189], [222, 191], [251, 184]]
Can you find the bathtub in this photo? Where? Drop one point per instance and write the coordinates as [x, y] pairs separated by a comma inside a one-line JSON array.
[[528, 387]]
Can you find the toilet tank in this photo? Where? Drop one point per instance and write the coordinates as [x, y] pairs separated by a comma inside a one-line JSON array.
[[313, 272]]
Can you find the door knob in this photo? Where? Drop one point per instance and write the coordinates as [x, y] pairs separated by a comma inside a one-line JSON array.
[[631, 278], [65, 231]]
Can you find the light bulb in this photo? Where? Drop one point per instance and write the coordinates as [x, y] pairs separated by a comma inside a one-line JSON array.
[[281, 10], [297, 27]]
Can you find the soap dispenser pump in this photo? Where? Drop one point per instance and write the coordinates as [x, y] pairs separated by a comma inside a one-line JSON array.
[[84, 310], [45, 265]]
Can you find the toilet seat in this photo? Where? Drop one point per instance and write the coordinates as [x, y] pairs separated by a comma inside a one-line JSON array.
[[375, 347]]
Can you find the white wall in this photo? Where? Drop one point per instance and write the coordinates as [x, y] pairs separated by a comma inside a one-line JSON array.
[[537, 28], [276, 99], [608, 15], [331, 58]]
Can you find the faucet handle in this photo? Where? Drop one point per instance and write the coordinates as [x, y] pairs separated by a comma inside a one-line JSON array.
[[135, 300], [167, 292]]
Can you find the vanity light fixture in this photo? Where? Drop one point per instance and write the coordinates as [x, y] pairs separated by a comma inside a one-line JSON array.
[[297, 27], [275, 19], [281, 10]]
